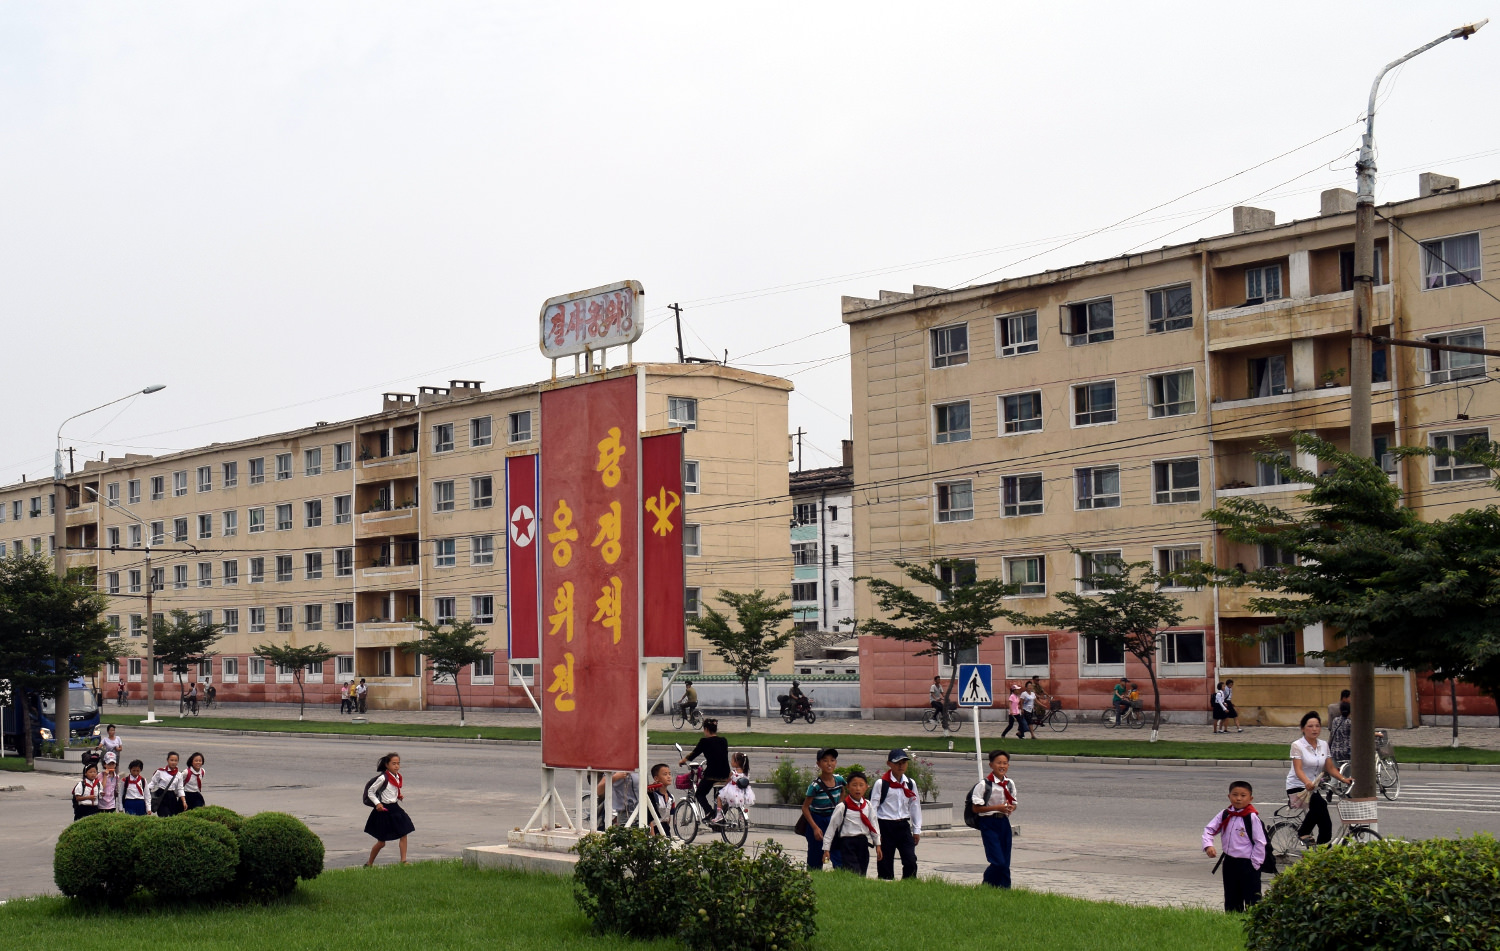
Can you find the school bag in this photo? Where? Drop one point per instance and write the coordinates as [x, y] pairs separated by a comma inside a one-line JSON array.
[[1269, 865], [368, 799], [971, 819]]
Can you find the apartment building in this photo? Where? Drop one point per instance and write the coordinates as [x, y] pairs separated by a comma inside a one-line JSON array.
[[823, 547], [341, 532], [1103, 408]]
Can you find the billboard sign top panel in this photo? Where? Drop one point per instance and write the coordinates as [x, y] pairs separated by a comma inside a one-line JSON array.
[[585, 321]]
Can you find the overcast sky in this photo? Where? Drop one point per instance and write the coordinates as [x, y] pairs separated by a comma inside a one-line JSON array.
[[281, 210]]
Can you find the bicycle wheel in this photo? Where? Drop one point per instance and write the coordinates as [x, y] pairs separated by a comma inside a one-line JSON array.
[[684, 820], [1286, 845], [679, 720], [1359, 835], [1110, 719], [1388, 777], [736, 827], [930, 720], [1136, 720], [1058, 720]]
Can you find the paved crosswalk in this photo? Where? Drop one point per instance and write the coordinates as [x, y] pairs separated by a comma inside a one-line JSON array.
[[1446, 797]]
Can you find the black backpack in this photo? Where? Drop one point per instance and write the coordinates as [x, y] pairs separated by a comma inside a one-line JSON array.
[[366, 798], [1269, 865], [971, 819]]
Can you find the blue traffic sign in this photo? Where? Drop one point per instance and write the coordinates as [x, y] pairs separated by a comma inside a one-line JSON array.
[[975, 685]]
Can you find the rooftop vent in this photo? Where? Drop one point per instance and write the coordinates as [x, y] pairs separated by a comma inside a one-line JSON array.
[[1431, 183], [1336, 201], [1252, 219]]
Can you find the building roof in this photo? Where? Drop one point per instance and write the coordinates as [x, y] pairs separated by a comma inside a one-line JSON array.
[[822, 480]]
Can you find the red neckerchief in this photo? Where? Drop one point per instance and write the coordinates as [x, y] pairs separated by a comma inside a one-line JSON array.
[[394, 780], [1234, 814], [194, 776], [859, 809], [1005, 787], [90, 788], [138, 782], [892, 781]]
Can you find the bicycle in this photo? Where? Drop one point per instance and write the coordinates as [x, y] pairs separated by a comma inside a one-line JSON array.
[[122, 697], [1133, 718], [683, 716], [188, 705], [1055, 717], [931, 720], [212, 700], [1354, 826], [687, 812], [1387, 771]]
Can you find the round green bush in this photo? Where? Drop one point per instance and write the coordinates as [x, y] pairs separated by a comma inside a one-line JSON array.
[[628, 882], [227, 818], [185, 858], [1390, 895], [94, 858], [275, 850]]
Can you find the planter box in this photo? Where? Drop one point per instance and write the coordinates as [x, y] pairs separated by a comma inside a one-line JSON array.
[[935, 815]]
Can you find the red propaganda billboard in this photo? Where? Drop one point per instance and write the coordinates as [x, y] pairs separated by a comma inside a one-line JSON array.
[[523, 619], [664, 611], [590, 578]]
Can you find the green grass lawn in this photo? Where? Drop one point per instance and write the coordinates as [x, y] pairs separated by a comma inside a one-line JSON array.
[[15, 764], [1128, 745], [441, 905]]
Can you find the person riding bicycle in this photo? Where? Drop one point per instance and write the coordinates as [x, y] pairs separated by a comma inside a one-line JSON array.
[[935, 695], [715, 752], [689, 702], [121, 692], [1121, 699], [191, 697]]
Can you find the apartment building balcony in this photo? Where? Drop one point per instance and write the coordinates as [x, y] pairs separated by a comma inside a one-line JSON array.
[[384, 633], [1298, 410], [400, 465], [1289, 318], [380, 523], [88, 558], [389, 575], [1235, 602], [82, 514]]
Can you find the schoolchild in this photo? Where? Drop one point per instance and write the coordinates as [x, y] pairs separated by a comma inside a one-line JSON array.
[[738, 791], [388, 821], [852, 830], [109, 785], [1243, 840], [659, 798], [994, 799], [86, 793], [133, 792], [898, 810], [192, 782], [164, 795], [823, 795]]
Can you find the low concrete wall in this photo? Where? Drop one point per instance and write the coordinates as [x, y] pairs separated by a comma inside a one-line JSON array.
[[831, 699]]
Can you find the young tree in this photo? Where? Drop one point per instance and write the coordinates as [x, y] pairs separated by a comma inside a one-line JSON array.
[[50, 629], [448, 652], [750, 649], [297, 660], [959, 619], [184, 641], [1124, 611]]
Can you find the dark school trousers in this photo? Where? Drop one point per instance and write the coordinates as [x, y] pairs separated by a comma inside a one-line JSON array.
[[996, 835], [815, 845], [852, 855], [1241, 883], [895, 836]]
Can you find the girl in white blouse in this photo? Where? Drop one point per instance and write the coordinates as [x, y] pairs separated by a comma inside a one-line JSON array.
[[1310, 759], [167, 780]]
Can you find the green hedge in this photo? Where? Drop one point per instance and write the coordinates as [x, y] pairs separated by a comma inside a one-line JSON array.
[[185, 858], [275, 850], [227, 818], [95, 857], [1390, 895]]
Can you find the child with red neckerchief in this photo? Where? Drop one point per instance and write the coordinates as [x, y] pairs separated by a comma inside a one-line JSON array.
[[388, 821], [852, 829], [1242, 837]]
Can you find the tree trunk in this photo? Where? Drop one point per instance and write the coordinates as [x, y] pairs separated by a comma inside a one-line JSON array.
[[28, 748], [302, 693], [1156, 695], [1453, 700], [745, 681], [460, 695], [181, 710]]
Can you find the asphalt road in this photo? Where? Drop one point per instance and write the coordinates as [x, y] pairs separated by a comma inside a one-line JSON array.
[[1123, 833]]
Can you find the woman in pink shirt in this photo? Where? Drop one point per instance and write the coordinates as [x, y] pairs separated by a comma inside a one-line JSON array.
[[1016, 720]]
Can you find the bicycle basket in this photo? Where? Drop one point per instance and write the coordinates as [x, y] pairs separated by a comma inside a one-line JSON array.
[[684, 781], [1383, 742], [1355, 811], [1055, 705]]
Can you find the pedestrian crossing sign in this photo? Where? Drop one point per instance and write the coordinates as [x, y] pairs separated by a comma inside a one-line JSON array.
[[975, 685]]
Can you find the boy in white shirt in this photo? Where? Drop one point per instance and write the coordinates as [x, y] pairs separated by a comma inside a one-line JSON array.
[[852, 828], [898, 810]]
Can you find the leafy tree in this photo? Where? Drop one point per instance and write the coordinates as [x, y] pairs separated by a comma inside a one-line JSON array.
[[752, 647], [958, 620], [297, 660], [185, 641], [1125, 610], [51, 628], [448, 652]]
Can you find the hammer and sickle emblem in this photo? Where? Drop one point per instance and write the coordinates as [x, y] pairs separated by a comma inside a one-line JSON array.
[[662, 505]]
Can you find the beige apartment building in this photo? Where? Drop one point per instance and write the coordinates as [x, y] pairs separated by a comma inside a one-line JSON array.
[[1104, 407], [340, 532]]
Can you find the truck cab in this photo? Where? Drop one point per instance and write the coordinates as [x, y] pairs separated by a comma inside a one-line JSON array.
[[83, 718]]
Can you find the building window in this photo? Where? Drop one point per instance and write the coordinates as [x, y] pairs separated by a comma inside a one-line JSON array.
[[257, 520], [231, 571], [952, 422], [112, 536], [112, 582], [833, 555], [1267, 376], [312, 462], [692, 662], [283, 466], [283, 567], [1444, 366], [950, 346], [111, 498], [1272, 556], [1016, 334], [482, 607], [690, 476], [446, 552], [1093, 563], [231, 626], [231, 523], [442, 496], [343, 509], [1169, 308], [1170, 394], [482, 550], [179, 483], [1021, 494], [1175, 480], [343, 562], [1172, 562], [343, 456], [137, 627], [804, 553], [158, 579], [343, 620], [1101, 658], [257, 570], [690, 602], [805, 513], [484, 670], [158, 490], [179, 529], [442, 437], [1272, 469], [1097, 487], [1278, 648], [1450, 261], [682, 412], [691, 541], [1094, 403], [312, 617], [445, 609], [313, 510], [1262, 284], [205, 574], [231, 471], [205, 478], [205, 526], [1021, 412], [132, 492], [481, 492], [1181, 653], [480, 432], [958, 574], [520, 426], [135, 580], [258, 664], [284, 517], [134, 532], [1028, 573], [1447, 467], [257, 471], [955, 501], [521, 674], [284, 620], [313, 565], [1089, 322], [1026, 656], [804, 591]]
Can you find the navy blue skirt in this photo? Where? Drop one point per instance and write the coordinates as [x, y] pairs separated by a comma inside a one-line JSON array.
[[389, 825], [194, 800]]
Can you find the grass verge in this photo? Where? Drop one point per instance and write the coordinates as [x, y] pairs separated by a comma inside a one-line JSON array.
[[1133, 748], [14, 764], [441, 905]]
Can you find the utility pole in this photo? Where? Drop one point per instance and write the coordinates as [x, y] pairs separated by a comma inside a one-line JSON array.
[[62, 724], [799, 434], [150, 671], [1361, 439], [70, 451], [676, 310]]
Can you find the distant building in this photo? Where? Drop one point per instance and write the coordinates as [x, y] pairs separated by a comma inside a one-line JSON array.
[[823, 547]]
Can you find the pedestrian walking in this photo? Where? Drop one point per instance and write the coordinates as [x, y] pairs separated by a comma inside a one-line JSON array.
[[822, 797], [993, 799], [111, 743], [1028, 707], [133, 798], [164, 795], [851, 832], [1341, 736], [361, 694], [86, 793], [344, 697], [1013, 710], [192, 782], [1231, 712], [624, 795], [1243, 840], [715, 752], [1216, 702], [1333, 708], [1310, 759], [109, 785], [899, 811], [388, 820]]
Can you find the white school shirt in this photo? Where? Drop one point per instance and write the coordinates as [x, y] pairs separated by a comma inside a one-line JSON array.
[[897, 804], [996, 796], [87, 789], [1312, 758], [161, 779], [193, 778], [134, 788], [845, 821], [388, 790]]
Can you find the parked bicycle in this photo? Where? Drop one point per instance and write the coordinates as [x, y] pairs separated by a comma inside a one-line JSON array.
[[1387, 771], [212, 700], [1134, 717], [687, 814], [683, 715], [1054, 716], [947, 719]]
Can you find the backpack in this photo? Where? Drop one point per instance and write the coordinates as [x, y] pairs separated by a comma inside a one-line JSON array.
[[367, 799], [971, 819], [885, 790], [1269, 865]]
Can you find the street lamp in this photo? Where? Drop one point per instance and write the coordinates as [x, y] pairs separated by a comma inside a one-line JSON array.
[[60, 535], [1361, 438]]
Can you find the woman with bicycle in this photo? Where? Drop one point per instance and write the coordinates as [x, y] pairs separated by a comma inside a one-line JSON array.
[[1310, 760], [715, 752]]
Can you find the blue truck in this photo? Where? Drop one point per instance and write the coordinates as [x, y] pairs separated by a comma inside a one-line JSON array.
[[83, 718]]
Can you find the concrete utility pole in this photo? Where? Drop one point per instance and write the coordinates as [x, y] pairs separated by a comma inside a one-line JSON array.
[[1361, 439], [676, 310]]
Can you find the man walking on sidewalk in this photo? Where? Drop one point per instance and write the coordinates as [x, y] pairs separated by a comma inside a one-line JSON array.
[[360, 693], [899, 809]]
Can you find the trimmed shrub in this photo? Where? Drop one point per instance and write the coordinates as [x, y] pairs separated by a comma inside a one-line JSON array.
[[791, 781], [1389, 895], [94, 858], [185, 858], [623, 883], [227, 818], [275, 850]]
